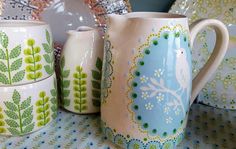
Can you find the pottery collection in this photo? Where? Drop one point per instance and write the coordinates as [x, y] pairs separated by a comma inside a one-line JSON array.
[[147, 77], [139, 76]]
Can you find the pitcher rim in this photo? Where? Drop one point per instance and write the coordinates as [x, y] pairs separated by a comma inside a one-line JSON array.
[[152, 15], [21, 23]]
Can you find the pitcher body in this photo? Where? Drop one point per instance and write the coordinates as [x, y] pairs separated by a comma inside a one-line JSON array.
[[147, 80]]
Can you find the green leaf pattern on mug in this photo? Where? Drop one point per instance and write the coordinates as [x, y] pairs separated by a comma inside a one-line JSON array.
[[2, 123], [96, 83], [43, 109], [19, 115], [49, 58], [53, 100], [10, 62], [79, 88], [64, 83], [32, 58]]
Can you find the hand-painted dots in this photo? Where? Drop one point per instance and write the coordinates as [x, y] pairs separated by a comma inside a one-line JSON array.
[[134, 84], [185, 38], [137, 73], [141, 63], [139, 117], [154, 131], [164, 134], [174, 131], [134, 95], [145, 125], [147, 51], [166, 35], [144, 139], [155, 42], [136, 107], [177, 34]]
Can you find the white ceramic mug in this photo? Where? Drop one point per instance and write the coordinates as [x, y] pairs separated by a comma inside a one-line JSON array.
[[26, 52], [27, 108], [81, 66]]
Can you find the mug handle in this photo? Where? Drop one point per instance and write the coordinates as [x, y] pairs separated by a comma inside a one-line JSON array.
[[221, 46]]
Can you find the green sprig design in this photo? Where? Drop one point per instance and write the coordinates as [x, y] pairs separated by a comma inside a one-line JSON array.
[[2, 123], [80, 89], [32, 59], [20, 117], [53, 100], [43, 110], [64, 83], [6, 64], [96, 83], [49, 57]]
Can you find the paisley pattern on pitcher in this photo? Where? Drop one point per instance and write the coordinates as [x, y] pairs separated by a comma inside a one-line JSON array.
[[107, 71], [156, 93]]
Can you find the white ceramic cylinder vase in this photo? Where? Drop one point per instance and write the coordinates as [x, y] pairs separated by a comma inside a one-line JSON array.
[[81, 64]]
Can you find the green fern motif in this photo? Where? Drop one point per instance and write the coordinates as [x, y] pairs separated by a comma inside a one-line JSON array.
[[49, 58], [53, 100], [10, 62], [80, 89], [20, 117], [43, 109], [64, 83], [32, 58], [2, 123], [96, 83]]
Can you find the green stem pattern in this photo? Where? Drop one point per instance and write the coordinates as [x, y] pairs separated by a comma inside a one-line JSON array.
[[80, 102], [44, 114], [20, 119], [8, 66], [34, 62]]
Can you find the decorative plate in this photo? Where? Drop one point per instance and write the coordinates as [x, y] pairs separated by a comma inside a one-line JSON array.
[[220, 91], [63, 15]]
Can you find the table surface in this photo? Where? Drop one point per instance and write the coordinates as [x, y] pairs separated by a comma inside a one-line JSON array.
[[208, 128]]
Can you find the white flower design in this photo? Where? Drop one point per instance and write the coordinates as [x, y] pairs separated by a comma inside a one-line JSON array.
[[160, 97], [158, 73], [143, 79], [169, 120], [145, 95], [149, 106], [166, 110], [177, 111]]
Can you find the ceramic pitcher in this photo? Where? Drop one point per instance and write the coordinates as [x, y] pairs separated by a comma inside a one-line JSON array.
[[147, 86], [81, 66]]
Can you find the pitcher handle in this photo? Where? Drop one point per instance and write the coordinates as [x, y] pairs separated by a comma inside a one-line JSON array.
[[221, 46]]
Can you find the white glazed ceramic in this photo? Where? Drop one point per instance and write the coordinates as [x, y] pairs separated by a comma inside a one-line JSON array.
[[27, 108], [147, 86], [220, 89], [26, 52], [81, 67]]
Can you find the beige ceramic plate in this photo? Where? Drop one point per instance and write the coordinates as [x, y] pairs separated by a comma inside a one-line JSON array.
[[220, 91]]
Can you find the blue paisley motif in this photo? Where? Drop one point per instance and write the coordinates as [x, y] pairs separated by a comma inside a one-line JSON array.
[[107, 70]]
